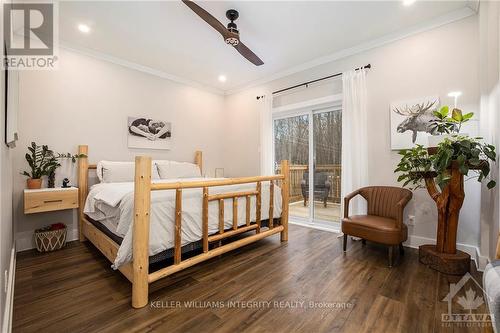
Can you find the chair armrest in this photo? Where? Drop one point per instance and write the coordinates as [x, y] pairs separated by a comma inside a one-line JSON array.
[[401, 207], [347, 199]]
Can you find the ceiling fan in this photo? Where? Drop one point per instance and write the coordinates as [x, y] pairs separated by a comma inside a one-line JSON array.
[[230, 34]]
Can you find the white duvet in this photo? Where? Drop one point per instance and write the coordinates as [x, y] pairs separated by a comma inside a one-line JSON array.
[[113, 204]]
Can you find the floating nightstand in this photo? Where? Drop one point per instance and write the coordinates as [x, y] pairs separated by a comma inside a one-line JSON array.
[[50, 199]]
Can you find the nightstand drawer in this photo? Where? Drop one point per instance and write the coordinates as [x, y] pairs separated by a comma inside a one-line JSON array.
[[46, 200]]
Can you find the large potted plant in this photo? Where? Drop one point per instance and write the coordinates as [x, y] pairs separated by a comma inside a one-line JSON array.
[[441, 171]]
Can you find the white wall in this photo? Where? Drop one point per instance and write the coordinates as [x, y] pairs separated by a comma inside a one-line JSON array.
[[489, 24], [87, 101], [6, 225], [430, 63]]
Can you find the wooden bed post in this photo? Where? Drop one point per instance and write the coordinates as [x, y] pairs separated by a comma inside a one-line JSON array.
[[198, 160], [83, 176], [142, 205], [285, 194]]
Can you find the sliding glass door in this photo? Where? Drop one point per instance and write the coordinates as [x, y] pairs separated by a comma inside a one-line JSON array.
[[311, 141], [291, 142], [327, 143]]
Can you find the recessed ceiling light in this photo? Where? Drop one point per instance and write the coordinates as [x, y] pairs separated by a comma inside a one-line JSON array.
[[455, 94], [84, 28], [222, 78], [408, 2]]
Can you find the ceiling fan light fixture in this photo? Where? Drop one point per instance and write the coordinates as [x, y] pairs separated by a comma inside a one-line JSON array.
[[230, 34], [232, 41]]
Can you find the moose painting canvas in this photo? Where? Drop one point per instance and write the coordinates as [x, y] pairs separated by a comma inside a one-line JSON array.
[[411, 122]]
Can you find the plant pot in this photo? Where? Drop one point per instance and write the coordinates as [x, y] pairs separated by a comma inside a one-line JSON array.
[[34, 183], [50, 240]]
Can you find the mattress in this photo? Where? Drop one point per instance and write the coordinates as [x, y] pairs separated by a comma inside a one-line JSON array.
[[167, 256], [111, 204]]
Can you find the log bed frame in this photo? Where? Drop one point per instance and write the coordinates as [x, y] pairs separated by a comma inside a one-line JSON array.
[[137, 271]]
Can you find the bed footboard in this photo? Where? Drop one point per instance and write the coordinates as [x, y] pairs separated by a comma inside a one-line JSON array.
[[143, 188]]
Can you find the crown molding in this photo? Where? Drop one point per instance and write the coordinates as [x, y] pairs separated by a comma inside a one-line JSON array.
[[437, 22], [469, 10], [138, 67], [474, 5]]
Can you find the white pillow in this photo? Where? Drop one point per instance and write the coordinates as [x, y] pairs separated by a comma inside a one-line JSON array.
[[173, 169], [119, 172]]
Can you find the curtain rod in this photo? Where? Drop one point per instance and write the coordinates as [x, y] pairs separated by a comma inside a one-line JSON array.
[[313, 81]]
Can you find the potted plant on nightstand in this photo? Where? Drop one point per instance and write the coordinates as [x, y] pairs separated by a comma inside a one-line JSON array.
[[40, 160], [441, 170], [43, 162]]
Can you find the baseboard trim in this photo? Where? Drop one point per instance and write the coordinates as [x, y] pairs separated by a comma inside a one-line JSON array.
[[9, 296], [24, 240], [334, 228], [415, 241]]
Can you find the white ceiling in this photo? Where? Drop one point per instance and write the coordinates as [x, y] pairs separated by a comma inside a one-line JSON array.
[[168, 37]]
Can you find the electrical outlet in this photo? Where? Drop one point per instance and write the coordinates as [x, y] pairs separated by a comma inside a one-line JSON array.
[[5, 280], [411, 219]]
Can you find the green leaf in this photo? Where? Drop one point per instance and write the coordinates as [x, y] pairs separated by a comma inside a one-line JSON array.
[[444, 111], [465, 144], [468, 116], [456, 114], [485, 170], [490, 154], [474, 161], [406, 182], [400, 178], [491, 184], [437, 114], [464, 169]]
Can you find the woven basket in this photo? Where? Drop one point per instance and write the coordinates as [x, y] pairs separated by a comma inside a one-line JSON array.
[[50, 240]]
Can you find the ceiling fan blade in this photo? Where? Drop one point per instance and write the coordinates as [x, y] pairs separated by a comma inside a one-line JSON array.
[[248, 54], [207, 17]]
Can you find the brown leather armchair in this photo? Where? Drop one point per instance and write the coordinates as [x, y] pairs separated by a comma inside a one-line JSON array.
[[384, 220]]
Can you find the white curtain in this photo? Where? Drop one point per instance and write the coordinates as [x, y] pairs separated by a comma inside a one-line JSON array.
[[266, 133], [354, 138]]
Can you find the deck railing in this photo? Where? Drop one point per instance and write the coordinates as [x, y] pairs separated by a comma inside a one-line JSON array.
[[333, 172]]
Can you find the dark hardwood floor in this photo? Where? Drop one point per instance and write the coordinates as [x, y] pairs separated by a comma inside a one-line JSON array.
[[75, 290]]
